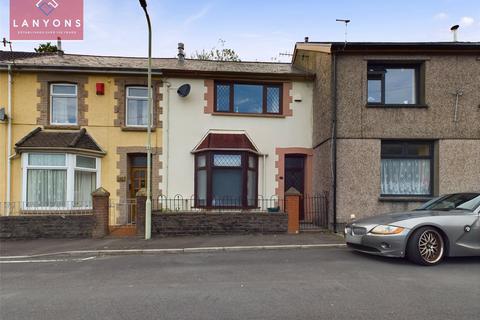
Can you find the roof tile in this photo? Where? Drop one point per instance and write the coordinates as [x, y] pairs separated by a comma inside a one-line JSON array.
[[76, 61], [56, 139]]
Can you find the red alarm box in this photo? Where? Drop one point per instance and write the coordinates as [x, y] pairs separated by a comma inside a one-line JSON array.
[[100, 88]]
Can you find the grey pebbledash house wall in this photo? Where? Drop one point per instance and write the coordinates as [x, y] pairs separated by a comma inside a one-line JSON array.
[[446, 68]]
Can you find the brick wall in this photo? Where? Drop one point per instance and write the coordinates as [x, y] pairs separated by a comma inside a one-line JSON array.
[[46, 226], [191, 223]]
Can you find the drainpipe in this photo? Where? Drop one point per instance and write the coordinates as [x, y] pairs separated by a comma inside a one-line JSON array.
[[9, 138], [334, 141], [166, 139], [264, 178]]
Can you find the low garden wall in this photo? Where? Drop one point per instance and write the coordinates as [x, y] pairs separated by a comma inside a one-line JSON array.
[[46, 226], [199, 223]]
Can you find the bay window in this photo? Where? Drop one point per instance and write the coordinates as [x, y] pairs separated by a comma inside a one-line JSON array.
[[60, 181], [226, 179], [85, 180], [407, 168], [46, 180], [63, 104]]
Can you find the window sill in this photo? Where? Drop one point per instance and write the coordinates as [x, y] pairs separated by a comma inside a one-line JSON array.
[[258, 115], [137, 129], [397, 106], [60, 127], [404, 198]]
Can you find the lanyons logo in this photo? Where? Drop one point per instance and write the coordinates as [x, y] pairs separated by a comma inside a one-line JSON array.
[[46, 19], [46, 6]]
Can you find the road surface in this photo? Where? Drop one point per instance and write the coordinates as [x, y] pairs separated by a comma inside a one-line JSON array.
[[332, 283]]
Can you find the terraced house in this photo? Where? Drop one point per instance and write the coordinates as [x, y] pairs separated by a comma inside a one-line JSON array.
[[370, 127], [231, 135], [395, 124]]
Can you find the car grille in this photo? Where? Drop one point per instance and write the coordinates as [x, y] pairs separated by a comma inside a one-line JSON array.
[[359, 231]]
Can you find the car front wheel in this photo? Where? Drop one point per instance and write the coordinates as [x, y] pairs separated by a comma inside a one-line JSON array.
[[426, 247]]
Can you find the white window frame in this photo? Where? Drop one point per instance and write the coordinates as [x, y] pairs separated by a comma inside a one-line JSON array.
[[70, 166], [52, 95], [127, 97]]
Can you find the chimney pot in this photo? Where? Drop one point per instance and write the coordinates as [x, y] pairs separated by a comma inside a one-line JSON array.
[[181, 52], [454, 30], [306, 39], [59, 46]]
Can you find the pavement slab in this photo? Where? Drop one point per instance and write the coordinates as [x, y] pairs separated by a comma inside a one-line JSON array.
[[39, 247]]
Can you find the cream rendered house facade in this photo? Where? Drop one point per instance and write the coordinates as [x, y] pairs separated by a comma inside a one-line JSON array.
[[78, 122], [194, 119]]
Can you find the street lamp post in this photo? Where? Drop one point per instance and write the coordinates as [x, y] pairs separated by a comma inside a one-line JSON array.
[[148, 204]]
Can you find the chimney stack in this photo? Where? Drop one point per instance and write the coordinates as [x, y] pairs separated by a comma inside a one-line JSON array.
[[306, 39], [454, 30], [181, 52], [59, 46]]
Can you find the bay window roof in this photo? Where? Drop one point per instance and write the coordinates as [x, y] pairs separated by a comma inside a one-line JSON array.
[[226, 141], [71, 141]]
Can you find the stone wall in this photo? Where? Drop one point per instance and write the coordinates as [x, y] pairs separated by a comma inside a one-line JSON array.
[[197, 223], [46, 226]]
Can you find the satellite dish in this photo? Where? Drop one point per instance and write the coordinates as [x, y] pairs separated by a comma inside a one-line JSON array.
[[184, 90]]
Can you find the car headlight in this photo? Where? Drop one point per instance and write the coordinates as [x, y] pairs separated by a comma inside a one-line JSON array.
[[387, 230]]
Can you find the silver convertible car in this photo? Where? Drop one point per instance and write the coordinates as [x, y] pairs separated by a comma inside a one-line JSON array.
[[448, 226]]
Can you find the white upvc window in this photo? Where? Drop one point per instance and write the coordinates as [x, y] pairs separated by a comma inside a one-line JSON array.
[[136, 106], [59, 181], [63, 104]]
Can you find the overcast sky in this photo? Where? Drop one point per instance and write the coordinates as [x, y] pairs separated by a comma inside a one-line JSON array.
[[260, 29]]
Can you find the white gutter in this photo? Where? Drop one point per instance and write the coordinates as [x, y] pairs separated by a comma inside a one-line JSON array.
[[9, 139]]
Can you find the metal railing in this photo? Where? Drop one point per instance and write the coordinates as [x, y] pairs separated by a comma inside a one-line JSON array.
[[225, 204], [315, 211], [45, 208], [122, 212]]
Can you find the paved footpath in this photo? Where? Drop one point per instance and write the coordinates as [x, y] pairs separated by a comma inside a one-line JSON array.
[[327, 283], [48, 247]]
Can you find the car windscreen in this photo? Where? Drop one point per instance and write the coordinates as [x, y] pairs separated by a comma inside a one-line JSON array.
[[458, 201]]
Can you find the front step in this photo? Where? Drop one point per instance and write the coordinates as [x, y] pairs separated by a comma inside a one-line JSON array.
[[122, 231]]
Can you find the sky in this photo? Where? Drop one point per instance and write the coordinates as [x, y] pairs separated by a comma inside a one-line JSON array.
[[258, 30]]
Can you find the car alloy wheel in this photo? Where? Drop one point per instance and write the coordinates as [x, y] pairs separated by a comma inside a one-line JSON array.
[[426, 246], [430, 246]]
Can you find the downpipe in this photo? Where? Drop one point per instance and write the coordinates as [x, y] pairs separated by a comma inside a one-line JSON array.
[[9, 139], [334, 144], [166, 134], [264, 178]]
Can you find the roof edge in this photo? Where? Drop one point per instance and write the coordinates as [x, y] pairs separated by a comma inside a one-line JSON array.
[[391, 47], [61, 149], [28, 136]]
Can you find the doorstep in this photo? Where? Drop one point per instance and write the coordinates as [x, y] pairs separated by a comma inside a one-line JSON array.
[[122, 231]]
